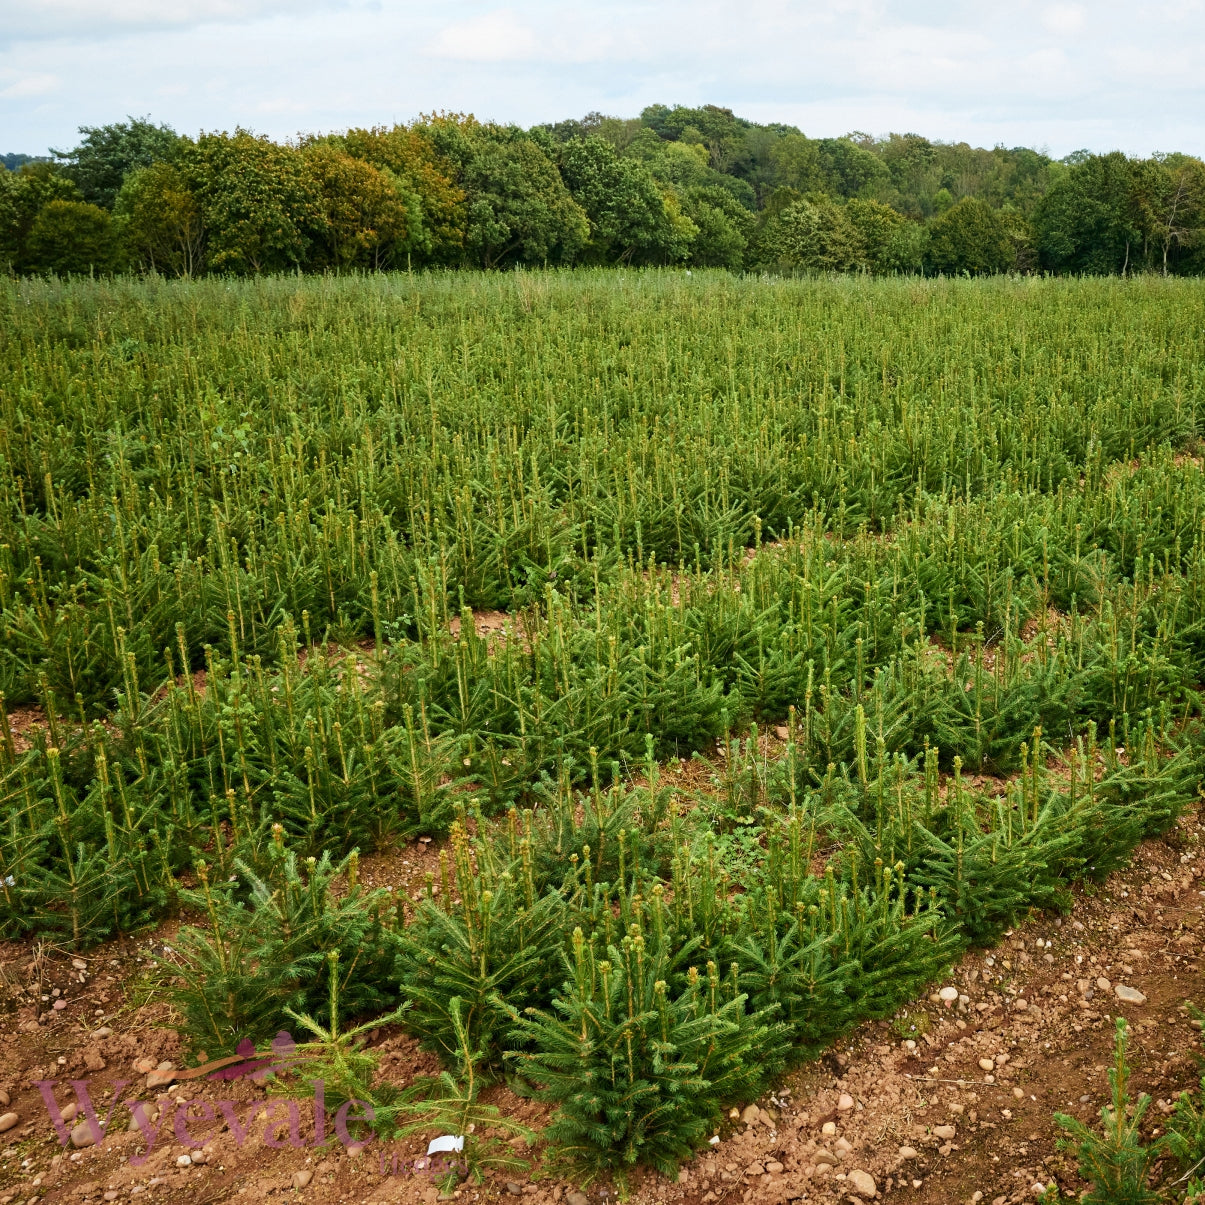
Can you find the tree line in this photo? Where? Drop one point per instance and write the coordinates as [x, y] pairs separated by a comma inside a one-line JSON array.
[[686, 186]]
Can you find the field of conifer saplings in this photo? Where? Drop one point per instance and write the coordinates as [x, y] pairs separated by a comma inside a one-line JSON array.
[[736, 654]]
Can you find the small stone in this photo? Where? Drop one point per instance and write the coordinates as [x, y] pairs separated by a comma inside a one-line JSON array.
[[755, 1169], [184, 1161], [69, 1111], [151, 1113], [750, 1114], [828, 1129], [103, 1032], [774, 1167], [1103, 984], [782, 732], [863, 1183], [684, 1176], [197, 1156], [8, 1120], [513, 1188], [734, 1114], [946, 1132], [948, 995], [843, 1146], [987, 1064], [825, 1159], [160, 1077], [144, 1066], [1128, 995], [577, 1198], [944, 1149], [1019, 1093], [59, 1005], [845, 1102], [907, 1152], [83, 1135]]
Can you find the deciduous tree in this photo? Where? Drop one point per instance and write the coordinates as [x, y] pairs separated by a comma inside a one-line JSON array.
[[1090, 220], [160, 221], [415, 160], [629, 221], [367, 215], [71, 237], [969, 238], [259, 202], [518, 208], [107, 154], [22, 195], [813, 234]]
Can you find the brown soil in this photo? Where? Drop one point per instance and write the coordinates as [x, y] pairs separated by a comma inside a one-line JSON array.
[[1038, 1012], [491, 625], [21, 720]]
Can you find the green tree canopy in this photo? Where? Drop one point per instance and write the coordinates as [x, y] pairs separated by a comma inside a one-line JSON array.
[[423, 172], [518, 208], [814, 234], [725, 228], [368, 216], [629, 221], [71, 237], [107, 154], [1171, 204], [890, 242], [22, 195], [160, 221], [1090, 220], [260, 205], [849, 168], [969, 237]]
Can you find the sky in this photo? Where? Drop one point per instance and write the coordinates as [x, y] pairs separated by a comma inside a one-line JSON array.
[[1059, 76]]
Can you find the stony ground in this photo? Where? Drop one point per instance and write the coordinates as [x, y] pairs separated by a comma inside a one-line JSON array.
[[952, 1101]]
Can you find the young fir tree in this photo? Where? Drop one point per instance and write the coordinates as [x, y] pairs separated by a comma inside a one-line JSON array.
[[1115, 1162], [639, 1073]]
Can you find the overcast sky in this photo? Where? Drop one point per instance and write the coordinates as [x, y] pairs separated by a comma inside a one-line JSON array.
[[1056, 75]]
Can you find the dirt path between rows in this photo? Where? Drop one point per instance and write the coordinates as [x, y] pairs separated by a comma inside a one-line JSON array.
[[906, 1110]]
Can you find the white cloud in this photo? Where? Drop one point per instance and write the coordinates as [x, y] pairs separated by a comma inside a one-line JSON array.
[[1036, 72], [23, 20], [496, 37], [1064, 18], [30, 85]]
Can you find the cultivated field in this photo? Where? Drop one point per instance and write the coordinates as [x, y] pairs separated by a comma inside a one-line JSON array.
[[645, 679]]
